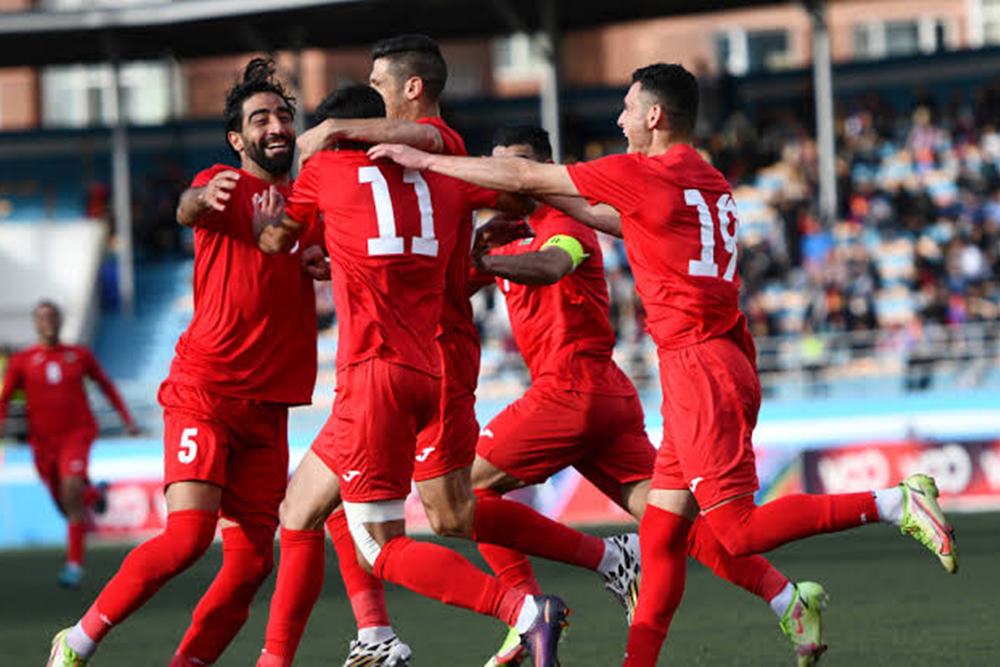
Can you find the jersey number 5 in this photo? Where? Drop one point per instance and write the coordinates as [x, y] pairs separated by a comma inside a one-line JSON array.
[[705, 266], [387, 243]]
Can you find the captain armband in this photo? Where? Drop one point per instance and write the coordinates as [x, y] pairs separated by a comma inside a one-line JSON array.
[[570, 245]]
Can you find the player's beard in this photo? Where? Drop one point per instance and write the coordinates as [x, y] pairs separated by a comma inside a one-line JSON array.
[[278, 165]]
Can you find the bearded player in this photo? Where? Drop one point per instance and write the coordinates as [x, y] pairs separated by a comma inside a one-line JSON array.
[[390, 233], [247, 356], [410, 74], [582, 411], [678, 220], [61, 427]]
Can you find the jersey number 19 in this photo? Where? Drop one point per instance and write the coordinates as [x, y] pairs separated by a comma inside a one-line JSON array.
[[705, 266]]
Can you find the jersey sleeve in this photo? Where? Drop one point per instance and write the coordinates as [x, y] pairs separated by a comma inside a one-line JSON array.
[[12, 380], [303, 204], [108, 388], [613, 180], [477, 197], [212, 219]]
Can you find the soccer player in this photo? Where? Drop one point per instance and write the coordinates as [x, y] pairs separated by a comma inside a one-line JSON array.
[[410, 74], [247, 356], [61, 427], [390, 233], [582, 411], [678, 220]]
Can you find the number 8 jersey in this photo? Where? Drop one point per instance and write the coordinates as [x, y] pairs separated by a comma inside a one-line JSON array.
[[679, 226], [389, 233]]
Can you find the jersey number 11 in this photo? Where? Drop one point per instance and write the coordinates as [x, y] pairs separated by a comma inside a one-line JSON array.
[[387, 243]]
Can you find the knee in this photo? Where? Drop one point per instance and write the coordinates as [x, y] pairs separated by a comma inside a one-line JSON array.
[[299, 518], [189, 543], [454, 520], [732, 529]]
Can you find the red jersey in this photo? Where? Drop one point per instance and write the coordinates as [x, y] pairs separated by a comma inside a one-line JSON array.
[[253, 335], [679, 224], [390, 234], [52, 379], [562, 329]]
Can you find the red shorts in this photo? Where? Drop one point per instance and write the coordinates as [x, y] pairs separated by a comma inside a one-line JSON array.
[[711, 397], [60, 456], [549, 429], [449, 442], [238, 444], [370, 438]]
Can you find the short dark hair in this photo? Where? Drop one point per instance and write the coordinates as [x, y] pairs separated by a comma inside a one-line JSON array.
[[415, 55], [675, 88], [532, 135], [354, 101], [258, 77], [47, 303]]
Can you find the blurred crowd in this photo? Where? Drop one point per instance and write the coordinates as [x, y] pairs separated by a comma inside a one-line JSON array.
[[915, 248]]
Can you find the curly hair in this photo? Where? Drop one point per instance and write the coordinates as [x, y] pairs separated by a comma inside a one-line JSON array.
[[258, 77]]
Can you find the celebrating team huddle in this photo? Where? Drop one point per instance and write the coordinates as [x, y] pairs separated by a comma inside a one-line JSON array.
[[386, 191]]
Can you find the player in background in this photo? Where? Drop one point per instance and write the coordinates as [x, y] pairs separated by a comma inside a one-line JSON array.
[[61, 427], [247, 356], [582, 411], [678, 220], [390, 233], [410, 74]]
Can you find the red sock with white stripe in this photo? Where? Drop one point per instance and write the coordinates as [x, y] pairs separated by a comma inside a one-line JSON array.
[[744, 528], [663, 539], [299, 584], [439, 573], [364, 590], [518, 526]]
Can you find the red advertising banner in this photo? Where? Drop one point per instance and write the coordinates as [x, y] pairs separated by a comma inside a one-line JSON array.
[[967, 473]]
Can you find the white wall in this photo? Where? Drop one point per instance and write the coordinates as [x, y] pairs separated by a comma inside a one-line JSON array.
[[49, 261]]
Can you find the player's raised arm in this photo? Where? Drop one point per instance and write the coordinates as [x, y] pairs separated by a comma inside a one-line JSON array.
[[12, 381], [213, 196], [601, 217], [499, 173], [423, 136]]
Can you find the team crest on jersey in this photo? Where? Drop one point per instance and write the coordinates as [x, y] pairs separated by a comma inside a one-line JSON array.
[[70, 357], [37, 358]]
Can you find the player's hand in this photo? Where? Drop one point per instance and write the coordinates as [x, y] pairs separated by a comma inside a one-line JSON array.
[[501, 230], [268, 210], [314, 263], [216, 194], [404, 156], [314, 140]]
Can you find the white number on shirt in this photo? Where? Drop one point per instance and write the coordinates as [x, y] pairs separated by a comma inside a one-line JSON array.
[[53, 372], [387, 243], [189, 448], [705, 265]]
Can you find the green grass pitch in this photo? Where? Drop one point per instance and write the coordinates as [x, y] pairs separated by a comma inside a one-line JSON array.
[[892, 604]]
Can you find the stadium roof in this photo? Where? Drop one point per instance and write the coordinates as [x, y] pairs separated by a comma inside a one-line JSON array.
[[192, 28]]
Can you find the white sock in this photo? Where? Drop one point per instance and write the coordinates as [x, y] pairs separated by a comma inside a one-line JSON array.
[[376, 634], [890, 504], [609, 561], [779, 603], [529, 612], [80, 641]]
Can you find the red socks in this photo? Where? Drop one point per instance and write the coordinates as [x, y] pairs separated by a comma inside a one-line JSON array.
[[511, 567], [517, 526], [148, 567], [364, 590], [751, 573], [76, 535], [745, 528], [663, 537], [247, 559], [300, 581], [441, 574]]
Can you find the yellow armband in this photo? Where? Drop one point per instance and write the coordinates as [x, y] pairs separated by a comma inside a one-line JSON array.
[[570, 245]]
